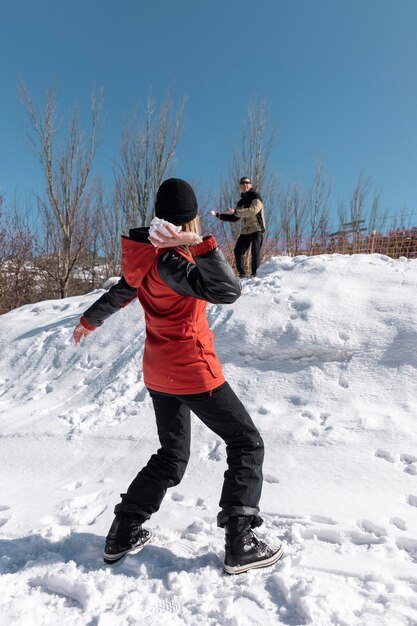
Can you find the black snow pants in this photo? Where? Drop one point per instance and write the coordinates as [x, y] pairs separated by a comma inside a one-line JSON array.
[[222, 412], [242, 245]]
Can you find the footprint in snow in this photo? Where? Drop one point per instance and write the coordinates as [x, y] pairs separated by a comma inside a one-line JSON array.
[[270, 478], [327, 535], [322, 519], [74, 485], [300, 308], [408, 461], [408, 545], [168, 604], [368, 534], [187, 502], [322, 419], [177, 497], [300, 305], [344, 368], [384, 454], [4, 520], [297, 401], [398, 523], [212, 452], [372, 528], [42, 389], [82, 510], [321, 429], [263, 410], [343, 382], [412, 500], [57, 362], [216, 453], [194, 530]]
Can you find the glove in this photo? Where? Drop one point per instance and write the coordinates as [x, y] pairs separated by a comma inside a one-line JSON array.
[[213, 213], [80, 331]]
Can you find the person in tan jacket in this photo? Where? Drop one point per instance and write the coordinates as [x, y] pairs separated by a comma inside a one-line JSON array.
[[250, 210]]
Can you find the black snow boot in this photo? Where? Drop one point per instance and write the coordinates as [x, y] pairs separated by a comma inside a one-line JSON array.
[[244, 551], [125, 535]]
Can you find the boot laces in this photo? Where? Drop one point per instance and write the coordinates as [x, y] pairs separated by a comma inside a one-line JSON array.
[[136, 529], [132, 528], [255, 539]]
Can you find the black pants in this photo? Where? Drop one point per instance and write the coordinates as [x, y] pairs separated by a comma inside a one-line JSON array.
[[226, 416], [242, 245]]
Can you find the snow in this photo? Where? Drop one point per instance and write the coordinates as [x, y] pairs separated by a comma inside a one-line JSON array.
[[323, 353]]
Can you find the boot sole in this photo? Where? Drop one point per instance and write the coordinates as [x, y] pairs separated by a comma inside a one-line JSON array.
[[240, 569], [113, 558]]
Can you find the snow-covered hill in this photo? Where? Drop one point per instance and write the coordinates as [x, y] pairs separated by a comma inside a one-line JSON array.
[[323, 353]]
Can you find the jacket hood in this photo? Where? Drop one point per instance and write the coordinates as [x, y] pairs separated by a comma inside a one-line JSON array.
[[138, 256]]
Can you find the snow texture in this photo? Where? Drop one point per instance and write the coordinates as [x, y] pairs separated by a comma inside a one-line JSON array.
[[323, 353]]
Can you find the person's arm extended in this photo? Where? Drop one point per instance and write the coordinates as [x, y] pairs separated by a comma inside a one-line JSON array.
[[113, 300], [255, 207], [211, 278], [228, 217]]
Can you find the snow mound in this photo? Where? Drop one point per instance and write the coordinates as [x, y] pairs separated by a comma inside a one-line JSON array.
[[323, 353]]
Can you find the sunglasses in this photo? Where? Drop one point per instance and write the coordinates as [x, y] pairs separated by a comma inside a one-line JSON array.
[[245, 182]]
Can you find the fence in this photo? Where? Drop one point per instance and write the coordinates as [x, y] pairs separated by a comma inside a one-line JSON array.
[[398, 243]]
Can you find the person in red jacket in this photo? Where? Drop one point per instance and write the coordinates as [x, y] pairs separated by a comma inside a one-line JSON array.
[[174, 276]]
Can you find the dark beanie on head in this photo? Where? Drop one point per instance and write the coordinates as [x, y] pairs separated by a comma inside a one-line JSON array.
[[176, 202]]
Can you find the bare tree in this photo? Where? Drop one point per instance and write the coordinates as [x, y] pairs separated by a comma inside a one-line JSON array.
[[358, 204], [364, 212], [256, 145], [293, 217], [19, 282], [66, 163], [304, 214], [402, 220], [146, 156], [378, 218], [109, 235], [251, 158], [317, 201]]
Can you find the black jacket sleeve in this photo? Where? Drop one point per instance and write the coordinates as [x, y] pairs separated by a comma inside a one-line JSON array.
[[113, 300], [228, 217], [211, 278]]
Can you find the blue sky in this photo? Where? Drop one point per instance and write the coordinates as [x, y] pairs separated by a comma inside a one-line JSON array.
[[339, 78]]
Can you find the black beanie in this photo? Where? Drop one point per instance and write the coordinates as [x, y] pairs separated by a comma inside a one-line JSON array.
[[176, 201]]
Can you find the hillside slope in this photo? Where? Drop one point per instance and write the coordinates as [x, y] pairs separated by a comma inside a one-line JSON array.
[[323, 353]]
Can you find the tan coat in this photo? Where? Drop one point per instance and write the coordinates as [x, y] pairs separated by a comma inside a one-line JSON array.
[[249, 222]]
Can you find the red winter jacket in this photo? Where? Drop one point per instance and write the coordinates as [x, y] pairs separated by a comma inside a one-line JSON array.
[[173, 288]]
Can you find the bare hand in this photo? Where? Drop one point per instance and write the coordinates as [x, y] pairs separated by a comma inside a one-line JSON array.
[[175, 239], [230, 211], [80, 331]]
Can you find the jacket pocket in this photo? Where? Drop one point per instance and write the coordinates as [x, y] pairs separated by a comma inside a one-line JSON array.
[[205, 343]]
